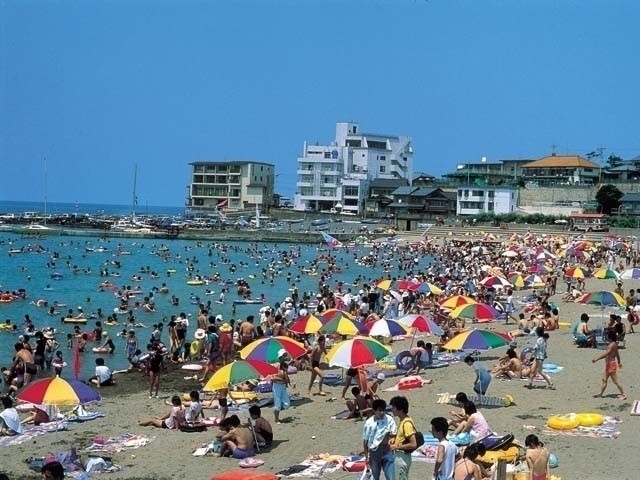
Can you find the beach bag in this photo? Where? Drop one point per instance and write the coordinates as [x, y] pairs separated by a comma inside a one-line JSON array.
[[193, 427], [419, 436]]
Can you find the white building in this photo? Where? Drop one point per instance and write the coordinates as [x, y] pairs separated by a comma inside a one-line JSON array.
[[234, 185], [475, 199], [337, 175]]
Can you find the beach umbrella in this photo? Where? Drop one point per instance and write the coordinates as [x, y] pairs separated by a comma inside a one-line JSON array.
[[357, 352], [603, 297], [422, 323], [58, 391], [307, 324], [384, 284], [238, 372], [575, 272], [333, 314], [632, 273], [385, 328], [510, 253], [606, 273], [456, 301], [425, 287], [395, 294], [343, 325], [478, 311], [534, 281], [495, 281], [516, 280], [266, 349], [476, 340], [539, 269], [544, 255]]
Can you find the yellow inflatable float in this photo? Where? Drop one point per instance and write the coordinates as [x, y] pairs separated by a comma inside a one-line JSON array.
[[563, 422], [589, 419]]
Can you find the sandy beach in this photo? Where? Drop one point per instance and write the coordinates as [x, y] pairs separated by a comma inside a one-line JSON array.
[[168, 455]]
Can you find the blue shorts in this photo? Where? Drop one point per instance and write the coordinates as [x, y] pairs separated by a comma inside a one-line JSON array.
[[241, 453], [280, 397]]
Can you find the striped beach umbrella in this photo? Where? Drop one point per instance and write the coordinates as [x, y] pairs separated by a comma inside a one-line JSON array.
[[357, 352], [575, 272], [58, 391], [603, 297], [606, 273], [478, 311], [476, 340], [266, 349], [495, 282], [422, 323], [456, 301], [307, 324], [385, 328], [631, 274], [534, 281], [516, 280], [238, 372]]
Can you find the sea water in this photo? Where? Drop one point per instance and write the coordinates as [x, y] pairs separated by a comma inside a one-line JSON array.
[[33, 268]]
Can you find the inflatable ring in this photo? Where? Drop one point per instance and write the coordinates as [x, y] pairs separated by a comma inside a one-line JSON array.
[[589, 419], [563, 422], [526, 351], [508, 455], [404, 360], [195, 348]]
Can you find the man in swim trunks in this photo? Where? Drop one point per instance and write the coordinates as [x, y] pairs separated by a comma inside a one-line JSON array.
[[247, 331], [315, 355], [612, 362], [25, 358], [237, 442]]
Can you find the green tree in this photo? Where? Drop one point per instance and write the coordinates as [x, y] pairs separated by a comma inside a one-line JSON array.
[[608, 198], [614, 161]]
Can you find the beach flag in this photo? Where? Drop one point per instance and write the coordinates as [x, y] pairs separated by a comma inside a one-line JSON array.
[[223, 203], [332, 242]]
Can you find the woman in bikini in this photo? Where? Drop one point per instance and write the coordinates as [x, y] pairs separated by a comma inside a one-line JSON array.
[[537, 458], [466, 468], [315, 356]]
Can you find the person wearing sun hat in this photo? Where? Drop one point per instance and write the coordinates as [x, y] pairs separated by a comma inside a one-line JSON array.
[[226, 343], [280, 382]]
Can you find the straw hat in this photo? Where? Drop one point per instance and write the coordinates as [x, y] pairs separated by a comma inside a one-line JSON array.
[[225, 328], [200, 334]]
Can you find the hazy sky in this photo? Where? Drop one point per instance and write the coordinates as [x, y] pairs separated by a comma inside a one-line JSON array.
[[98, 86]]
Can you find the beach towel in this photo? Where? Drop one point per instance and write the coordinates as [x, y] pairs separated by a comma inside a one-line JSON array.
[[409, 383], [635, 408], [426, 453], [32, 432], [315, 467], [450, 399], [608, 429], [126, 441], [343, 415]]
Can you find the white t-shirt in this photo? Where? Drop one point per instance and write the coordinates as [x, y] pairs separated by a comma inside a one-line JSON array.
[[103, 373], [193, 412]]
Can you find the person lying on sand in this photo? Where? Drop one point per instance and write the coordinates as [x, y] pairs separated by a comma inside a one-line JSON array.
[[172, 420]]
